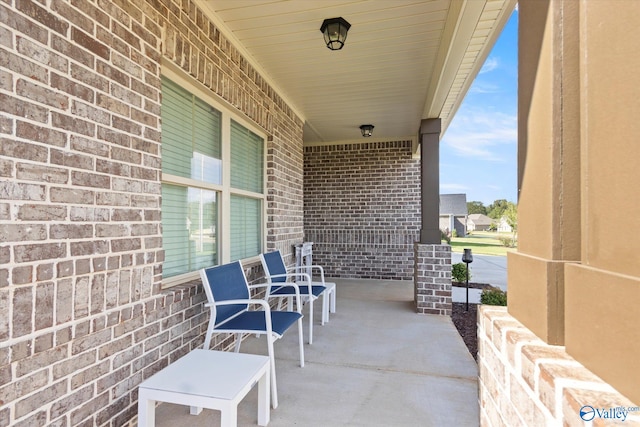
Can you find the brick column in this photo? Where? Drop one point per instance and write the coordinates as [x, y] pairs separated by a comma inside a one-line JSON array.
[[432, 279]]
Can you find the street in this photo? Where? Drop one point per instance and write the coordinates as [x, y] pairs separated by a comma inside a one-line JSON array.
[[486, 269]]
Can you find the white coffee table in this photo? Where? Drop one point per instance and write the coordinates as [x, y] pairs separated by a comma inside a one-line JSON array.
[[208, 379]]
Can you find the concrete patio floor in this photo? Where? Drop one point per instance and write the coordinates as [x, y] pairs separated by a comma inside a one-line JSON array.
[[376, 363]]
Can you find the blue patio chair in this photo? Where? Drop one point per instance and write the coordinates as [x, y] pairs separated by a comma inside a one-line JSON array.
[[278, 276], [229, 299]]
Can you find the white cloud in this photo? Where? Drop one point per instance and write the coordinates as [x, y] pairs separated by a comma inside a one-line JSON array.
[[480, 134], [490, 64], [484, 87], [453, 187]]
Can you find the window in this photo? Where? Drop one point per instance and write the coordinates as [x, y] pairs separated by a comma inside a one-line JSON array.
[[245, 227], [191, 145], [200, 142], [189, 229], [247, 171]]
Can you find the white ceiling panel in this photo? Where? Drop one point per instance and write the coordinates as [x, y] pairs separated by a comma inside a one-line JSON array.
[[403, 60]]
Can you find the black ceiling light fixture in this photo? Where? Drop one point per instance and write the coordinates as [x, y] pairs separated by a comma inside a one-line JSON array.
[[335, 32], [366, 130]]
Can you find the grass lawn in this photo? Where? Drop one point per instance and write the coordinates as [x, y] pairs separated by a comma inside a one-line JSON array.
[[481, 243]]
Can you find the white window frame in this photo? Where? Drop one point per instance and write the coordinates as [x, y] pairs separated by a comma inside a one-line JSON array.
[[224, 190]]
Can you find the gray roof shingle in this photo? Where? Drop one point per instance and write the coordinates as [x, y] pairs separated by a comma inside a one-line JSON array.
[[453, 204], [480, 219]]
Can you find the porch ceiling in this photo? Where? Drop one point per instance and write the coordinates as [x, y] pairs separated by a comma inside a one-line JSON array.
[[403, 60]]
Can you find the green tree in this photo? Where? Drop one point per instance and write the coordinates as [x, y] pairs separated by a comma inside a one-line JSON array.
[[476, 208], [496, 209], [511, 216]]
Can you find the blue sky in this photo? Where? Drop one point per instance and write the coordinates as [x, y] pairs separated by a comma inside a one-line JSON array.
[[478, 154]]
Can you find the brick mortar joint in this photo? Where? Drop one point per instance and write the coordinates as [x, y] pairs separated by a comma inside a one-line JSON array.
[[184, 290], [560, 384]]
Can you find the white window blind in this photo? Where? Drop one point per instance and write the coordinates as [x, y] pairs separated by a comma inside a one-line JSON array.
[[247, 159], [191, 148], [191, 141], [247, 173], [198, 142], [246, 220], [189, 232]]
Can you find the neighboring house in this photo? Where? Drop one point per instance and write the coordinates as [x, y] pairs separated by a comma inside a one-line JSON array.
[[479, 222], [503, 226], [453, 213]]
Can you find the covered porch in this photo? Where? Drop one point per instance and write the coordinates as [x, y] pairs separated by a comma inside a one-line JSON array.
[[90, 308], [374, 363]]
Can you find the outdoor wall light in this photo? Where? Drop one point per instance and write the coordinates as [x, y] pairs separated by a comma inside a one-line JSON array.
[[366, 130], [335, 32]]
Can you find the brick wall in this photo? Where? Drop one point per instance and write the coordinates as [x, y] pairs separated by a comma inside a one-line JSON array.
[[432, 279], [362, 208], [83, 319], [526, 382]]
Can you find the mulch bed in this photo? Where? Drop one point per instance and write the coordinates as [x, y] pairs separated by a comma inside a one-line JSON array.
[[465, 321]]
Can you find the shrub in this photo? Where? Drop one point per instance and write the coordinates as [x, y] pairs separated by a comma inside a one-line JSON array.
[[459, 272], [454, 233], [493, 296], [509, 242], [444, 236]]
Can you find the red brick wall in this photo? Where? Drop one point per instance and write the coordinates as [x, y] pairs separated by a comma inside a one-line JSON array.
[[82, 317], [362, 208]]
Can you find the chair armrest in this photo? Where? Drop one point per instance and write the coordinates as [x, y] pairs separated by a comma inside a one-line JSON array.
[[315, 266], [306, 277], [260, 302], [265, 305], [295, 286], [319, 267], [266, 285], [287, 275]]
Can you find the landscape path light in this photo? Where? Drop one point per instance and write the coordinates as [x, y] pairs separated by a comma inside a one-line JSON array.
[[467, 258]]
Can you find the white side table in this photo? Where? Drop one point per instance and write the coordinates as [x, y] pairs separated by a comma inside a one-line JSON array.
[[208, 379], [328, 301], [304, 258]]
